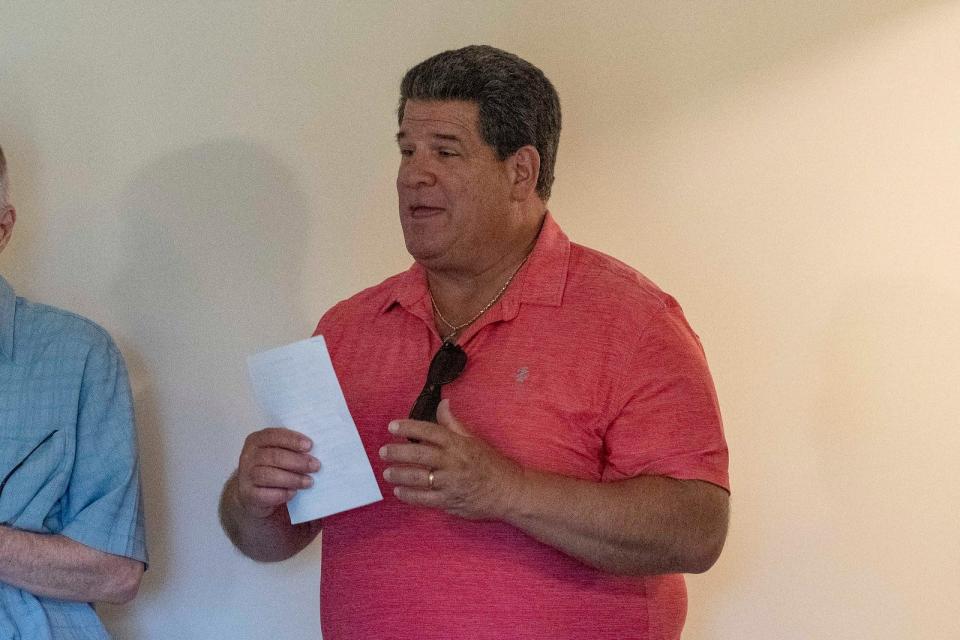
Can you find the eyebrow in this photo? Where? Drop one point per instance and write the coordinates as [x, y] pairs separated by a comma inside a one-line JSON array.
[[401, 135]]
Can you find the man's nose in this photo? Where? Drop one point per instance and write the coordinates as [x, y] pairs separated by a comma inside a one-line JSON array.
[[416, 171]]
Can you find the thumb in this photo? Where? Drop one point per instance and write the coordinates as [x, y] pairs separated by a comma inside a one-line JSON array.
[[446, 418]]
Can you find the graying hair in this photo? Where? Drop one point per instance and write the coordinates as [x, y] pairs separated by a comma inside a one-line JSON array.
[[518, 105], [4, 185]]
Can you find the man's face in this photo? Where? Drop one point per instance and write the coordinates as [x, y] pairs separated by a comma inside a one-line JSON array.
[[8, 216], [454, 193]]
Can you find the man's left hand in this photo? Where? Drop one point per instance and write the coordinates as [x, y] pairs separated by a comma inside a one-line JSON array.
[[470, 478]]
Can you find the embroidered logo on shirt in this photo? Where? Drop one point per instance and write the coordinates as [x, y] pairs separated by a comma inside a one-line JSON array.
[[522, 374]]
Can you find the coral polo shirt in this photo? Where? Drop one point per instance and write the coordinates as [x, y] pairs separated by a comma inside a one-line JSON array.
[[583, 368]]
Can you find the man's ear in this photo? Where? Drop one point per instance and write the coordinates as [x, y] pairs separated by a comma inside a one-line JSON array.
[[525, 163], [8, 217]]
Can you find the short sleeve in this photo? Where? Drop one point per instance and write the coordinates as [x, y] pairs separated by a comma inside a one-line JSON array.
[[103, 506], [667, 419]]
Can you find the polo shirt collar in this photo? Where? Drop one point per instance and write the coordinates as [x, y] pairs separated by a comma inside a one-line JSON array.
[[540, 282], [545, 275], [8, 307]]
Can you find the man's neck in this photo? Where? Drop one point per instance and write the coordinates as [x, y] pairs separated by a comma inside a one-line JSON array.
[[461, 293]]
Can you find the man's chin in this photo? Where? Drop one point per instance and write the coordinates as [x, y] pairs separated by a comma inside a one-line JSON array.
[[422, 255], [428, 254]]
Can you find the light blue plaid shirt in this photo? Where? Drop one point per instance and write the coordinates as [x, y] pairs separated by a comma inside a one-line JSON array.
[[68, 453]]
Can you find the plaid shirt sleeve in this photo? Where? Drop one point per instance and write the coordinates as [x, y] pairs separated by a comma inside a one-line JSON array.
[[103, 505]]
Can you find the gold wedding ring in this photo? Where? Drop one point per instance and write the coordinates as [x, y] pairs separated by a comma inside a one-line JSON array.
[[430, 480]]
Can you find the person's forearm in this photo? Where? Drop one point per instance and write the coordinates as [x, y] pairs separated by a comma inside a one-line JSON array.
[[55, 566], [641, 526], [268, 539]]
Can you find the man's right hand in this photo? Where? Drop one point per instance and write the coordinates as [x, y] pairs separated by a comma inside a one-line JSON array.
[[274, 464]]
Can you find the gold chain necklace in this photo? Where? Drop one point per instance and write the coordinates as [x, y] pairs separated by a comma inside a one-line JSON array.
[[454, 329]]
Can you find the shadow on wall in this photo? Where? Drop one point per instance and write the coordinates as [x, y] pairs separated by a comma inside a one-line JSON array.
[[217, 239]]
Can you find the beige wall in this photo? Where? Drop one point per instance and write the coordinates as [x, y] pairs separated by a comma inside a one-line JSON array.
[[205, 180]]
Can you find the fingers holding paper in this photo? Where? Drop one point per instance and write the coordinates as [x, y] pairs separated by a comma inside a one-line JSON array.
[[274, 465]]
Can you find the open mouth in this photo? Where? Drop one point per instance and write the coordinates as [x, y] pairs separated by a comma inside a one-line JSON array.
[[423, 211]]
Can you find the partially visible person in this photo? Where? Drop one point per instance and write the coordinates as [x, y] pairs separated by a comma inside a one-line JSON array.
[[71, 513]]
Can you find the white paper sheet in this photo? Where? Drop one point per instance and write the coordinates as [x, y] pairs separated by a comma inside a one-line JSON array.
[[297, 388]]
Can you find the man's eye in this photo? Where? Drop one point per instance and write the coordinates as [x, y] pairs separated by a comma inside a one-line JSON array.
[[406, 152], [448, 153]]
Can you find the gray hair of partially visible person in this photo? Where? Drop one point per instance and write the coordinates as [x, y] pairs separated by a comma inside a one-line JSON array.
[[518, 105], [3, 180]]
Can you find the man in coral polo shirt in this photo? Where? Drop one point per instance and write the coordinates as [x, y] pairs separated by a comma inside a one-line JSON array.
[[576, 465]]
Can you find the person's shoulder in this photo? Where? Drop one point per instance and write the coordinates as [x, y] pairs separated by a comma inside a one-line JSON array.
[[606, 279], [363, 304], [46, 325]]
